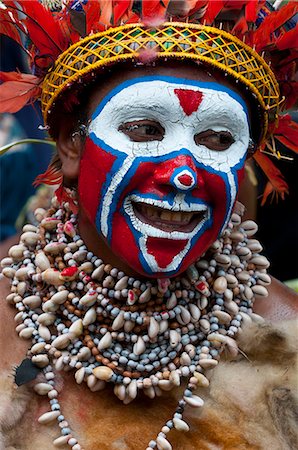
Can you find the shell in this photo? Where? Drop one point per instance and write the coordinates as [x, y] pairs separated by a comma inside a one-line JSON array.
[[21, 288], [61, 341], [263, 278], [86, 267], [42, 388], [51, 276], [139, 347], [97, 274], [204, 325], [79, 375], [120, 391], [29, 227], [61, 440], [118, 321], [26, 333], [38, 348], [254, 245], [243, 276], [39, 214], [163, 443], [260, 262], [8, 272], [22, 273], [163, 326], [54, 248], [185, 359], [33, 301], [208, 363], [6, 262], [220, 285], [153, 328], [49, 306], [202, 380], [145, 296], [121, 284], [194, 401], [232, 307], [89, 317], [180, 425], [223, 260], [42, 261], [216, 337], [48, 417], [105, 341], [46, 319], [40, 360], [185, 315], [250, 227], [30, 238], [16, 252], [89, 299], [165, 385], [44, 333], [223, 317], [172, 301], [175, 378], [103, 373], [132, 389], [84, 354], [195, 312], [76, 329], [260, 290], [175, 338], [50, 223]]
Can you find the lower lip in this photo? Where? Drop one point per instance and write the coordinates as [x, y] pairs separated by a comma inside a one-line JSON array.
[[168, 226]]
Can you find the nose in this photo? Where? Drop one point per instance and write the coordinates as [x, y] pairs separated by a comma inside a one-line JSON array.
[[184, 179], [181, 173]]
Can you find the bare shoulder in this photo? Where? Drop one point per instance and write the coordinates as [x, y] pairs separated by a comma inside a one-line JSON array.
[[281, 303], [13, 349]]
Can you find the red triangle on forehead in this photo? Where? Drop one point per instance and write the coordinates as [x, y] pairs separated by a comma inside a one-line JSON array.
[[189, 100]]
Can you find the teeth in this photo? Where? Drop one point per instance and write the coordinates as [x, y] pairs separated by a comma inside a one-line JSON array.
[[152, 212]]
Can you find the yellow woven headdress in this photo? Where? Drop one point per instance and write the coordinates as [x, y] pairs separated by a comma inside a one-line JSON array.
[[71, 42]]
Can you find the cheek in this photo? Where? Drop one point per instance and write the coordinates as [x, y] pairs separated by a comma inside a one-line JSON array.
[[95, 165]]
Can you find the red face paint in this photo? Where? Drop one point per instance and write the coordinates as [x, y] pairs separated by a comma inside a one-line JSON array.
[[189, 100]]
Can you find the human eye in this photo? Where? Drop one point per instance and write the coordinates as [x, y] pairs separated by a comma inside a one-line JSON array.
[[214, 140], [143, 130]]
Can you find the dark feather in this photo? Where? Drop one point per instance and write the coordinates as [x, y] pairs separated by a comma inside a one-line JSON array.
[[26, 372]]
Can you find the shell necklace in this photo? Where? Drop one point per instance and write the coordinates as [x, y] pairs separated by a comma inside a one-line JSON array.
[[83, 314]]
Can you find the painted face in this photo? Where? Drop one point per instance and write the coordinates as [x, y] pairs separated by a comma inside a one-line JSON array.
[[161, 168]]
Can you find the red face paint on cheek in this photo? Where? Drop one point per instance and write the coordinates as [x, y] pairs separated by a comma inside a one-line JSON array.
[[96, 163], [189, 100]]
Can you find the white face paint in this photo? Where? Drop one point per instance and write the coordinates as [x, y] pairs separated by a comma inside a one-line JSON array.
[[185, 158]]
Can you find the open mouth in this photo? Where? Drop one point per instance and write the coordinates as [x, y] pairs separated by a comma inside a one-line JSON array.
[[168, 220]]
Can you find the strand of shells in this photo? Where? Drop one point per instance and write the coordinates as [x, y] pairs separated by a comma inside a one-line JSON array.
[[85, 315]]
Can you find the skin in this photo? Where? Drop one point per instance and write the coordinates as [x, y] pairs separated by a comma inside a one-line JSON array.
[[95, 420]]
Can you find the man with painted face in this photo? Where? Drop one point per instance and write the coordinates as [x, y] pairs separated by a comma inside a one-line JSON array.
[[143, 273]]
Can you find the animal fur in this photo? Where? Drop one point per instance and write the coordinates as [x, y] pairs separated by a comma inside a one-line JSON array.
[[252, 404]]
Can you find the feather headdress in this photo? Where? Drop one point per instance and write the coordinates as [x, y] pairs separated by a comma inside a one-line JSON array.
[[250, 40]]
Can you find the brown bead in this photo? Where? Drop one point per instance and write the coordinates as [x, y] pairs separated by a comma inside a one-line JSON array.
[[105, 361], [77, 312], [94, 351], [98, 358], [126, 373], [90, 344]]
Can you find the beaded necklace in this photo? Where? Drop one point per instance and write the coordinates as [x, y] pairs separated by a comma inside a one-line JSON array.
[[85, 315]]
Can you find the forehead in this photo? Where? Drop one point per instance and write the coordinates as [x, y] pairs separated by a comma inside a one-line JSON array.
[[159, 93]]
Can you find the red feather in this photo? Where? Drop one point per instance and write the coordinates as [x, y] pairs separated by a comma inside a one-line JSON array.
[[11, 25], [17, 90], [153, 10], [264, 35], [120, 9], [276, 185], [287, 132], [92, 10], [52, 176], [44, 31], [289, 40]]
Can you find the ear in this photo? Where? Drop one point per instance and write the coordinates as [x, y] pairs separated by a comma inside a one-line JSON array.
[[70, 145]]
